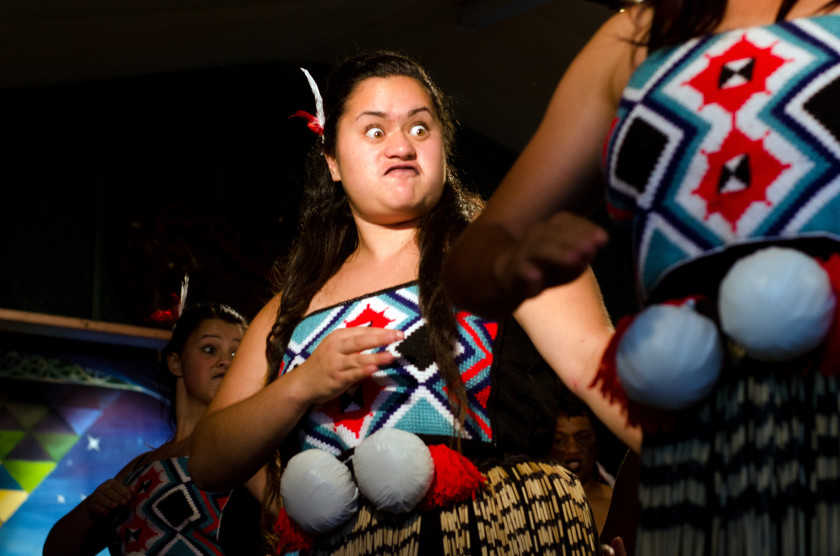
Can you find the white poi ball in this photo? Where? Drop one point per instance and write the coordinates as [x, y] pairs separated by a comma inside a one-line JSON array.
[[777, 303], [669, 357], [318, 491], [393, 469]]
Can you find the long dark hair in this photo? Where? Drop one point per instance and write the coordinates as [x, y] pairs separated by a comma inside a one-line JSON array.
[[190, 319], [676, 21], [327, 233]]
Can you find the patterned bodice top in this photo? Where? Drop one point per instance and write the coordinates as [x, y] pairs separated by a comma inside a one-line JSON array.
[[728, 142], [169, 514], [411, 393]]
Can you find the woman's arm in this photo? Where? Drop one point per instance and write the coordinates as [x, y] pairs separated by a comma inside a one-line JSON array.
[[570, 328], [241, 427], [246, 422], [520, 244], [82, 530]]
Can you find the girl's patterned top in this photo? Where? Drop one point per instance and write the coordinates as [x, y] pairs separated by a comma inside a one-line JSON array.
[[410, 394], [169, 514], [730, 139]]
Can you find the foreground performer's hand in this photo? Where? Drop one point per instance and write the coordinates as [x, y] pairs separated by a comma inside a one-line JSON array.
[[552, 253], [342, 359], [615, 548]]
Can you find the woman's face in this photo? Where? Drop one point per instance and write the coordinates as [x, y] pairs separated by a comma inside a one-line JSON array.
[[389, 151], [206, 356]]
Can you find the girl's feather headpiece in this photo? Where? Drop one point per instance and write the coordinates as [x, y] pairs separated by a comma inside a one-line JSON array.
[[172, 315], [316, 122]]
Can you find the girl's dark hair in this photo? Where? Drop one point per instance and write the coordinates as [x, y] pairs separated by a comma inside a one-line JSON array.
[[190, 319], [327, 234], [676, 21]]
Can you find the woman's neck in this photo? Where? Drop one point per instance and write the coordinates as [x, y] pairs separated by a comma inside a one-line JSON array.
[[383, 258], [379, 243], [188, 411], [392, 249]]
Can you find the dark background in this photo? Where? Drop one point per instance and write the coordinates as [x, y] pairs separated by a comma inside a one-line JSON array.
[[140, 142], [114, 189]]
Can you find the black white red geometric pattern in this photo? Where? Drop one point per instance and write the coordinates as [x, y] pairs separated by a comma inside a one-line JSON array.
[[723, 144], [408, 395], [729, 139], [169, 514]]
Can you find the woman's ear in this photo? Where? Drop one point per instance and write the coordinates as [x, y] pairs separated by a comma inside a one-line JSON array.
[[173, 361], [332, 163]]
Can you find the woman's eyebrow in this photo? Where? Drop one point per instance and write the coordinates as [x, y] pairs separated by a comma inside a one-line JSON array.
[[379, 114]]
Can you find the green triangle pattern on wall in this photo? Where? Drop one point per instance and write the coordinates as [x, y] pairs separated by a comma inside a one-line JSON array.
[[46, 405], [56, 444], [28, 474], [8, 440], [27, 414]]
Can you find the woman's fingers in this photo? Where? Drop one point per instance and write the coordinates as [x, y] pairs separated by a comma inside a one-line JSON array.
[[344, 358], [565, 240], [553, 252], [363, 338], [359, 361], [108, 496]]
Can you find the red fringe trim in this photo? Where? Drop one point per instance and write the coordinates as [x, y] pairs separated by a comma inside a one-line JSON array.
[[292, 537], [830, 363], [650, 419], [456, 479], [607, 374]]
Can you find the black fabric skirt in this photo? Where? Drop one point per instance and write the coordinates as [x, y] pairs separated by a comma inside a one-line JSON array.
[[755, 470]]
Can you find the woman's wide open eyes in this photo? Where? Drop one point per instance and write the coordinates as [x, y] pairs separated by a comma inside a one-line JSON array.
[[417, 130], [374, 132]]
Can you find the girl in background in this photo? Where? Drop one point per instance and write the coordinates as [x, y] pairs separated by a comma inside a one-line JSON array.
[[125, 512]]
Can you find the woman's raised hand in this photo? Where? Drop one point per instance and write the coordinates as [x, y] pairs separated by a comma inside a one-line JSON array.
[[553, 252], [342, 359], [108, 496]]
